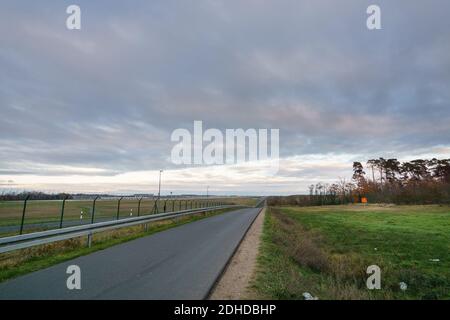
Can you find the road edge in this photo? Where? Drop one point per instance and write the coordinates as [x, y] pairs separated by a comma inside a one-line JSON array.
[[230, 258]]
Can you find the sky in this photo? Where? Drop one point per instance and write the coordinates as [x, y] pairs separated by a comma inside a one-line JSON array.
[[93, 110]]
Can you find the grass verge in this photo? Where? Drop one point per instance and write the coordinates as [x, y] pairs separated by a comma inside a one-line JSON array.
[[326, 250]]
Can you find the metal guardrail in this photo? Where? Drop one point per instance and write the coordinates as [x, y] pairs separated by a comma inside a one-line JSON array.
[[43, 237], [261, 203]]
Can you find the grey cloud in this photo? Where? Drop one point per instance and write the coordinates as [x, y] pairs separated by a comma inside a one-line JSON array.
[[110, 95]]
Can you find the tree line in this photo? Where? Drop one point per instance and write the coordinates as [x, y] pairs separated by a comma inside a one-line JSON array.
[[33, 195], [419, 181]]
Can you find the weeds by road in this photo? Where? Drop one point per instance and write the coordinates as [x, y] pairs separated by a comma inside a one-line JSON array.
[[326, 250]]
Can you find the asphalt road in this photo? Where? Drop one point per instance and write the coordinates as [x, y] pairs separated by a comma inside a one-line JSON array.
[[179, 263]]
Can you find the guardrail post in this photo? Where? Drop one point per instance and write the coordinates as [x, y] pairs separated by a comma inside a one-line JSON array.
[[139, 206], [23, 213], [62, 212], [93, 209], [89, 240], [118, 208]]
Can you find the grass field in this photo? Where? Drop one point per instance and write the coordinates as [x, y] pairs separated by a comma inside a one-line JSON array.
[[326, 250], [41, 211]]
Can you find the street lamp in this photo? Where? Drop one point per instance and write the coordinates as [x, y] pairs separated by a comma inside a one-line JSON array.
[[159, 188]]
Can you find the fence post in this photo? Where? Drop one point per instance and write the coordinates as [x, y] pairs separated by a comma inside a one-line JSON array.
[[23, 213], [173, 205], [118, 208], [139, 206], [93, 209], [62, 211], [155, 206]]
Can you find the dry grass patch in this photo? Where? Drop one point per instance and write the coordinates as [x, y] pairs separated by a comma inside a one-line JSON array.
[[298, 263]]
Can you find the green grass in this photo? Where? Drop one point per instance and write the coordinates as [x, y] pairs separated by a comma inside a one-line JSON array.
[[20, 262], [326, 250]]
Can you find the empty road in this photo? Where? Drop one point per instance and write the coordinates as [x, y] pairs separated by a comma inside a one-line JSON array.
[[179, 263]]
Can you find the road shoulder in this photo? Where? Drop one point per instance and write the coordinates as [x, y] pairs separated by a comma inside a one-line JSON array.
[[234, 283]]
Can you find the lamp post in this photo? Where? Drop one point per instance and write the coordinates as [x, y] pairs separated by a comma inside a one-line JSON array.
[[159, 194], [159, 188]]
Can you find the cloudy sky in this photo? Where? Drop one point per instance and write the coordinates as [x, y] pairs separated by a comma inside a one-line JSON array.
[[93, 109]]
